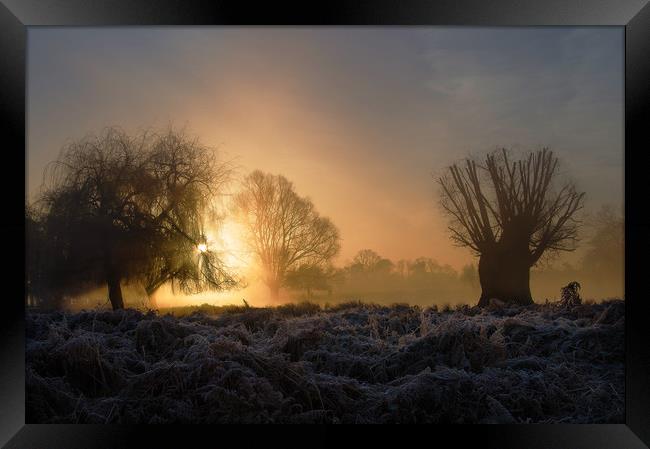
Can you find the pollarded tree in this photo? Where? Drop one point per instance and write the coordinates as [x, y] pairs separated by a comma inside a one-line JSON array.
[[510, 213], [285, 230], [119, 208]]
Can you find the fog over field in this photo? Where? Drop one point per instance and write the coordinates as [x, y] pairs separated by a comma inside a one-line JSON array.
[[325, 225], [361, 121]]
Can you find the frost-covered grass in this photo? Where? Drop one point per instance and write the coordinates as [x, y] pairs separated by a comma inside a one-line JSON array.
[[354, 363]]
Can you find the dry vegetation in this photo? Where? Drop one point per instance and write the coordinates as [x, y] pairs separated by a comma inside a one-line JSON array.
[[351, 363]]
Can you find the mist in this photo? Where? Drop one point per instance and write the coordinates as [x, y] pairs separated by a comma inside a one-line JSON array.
[[325, 225]]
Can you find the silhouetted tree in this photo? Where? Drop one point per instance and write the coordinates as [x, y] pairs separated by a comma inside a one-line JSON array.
[[428, 266], [309, 278], [369, 262], [368, 265], [402, 268], [285, 229], [384, 266], [366, 260], [510, 213], [133, 208]]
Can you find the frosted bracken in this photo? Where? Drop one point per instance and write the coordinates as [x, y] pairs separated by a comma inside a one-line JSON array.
[[352, 363]]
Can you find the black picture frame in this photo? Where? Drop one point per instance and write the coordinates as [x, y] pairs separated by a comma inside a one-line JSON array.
[[634, 15]]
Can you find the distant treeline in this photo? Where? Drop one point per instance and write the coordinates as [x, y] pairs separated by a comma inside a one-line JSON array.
[[371, 277], [600, 270], [141, 212]]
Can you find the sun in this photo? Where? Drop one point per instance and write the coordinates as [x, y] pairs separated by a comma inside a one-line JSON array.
[[202, 247]]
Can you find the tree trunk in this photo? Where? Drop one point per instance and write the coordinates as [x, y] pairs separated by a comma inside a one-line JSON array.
[[115, 291], [505, 275], [112, 277]]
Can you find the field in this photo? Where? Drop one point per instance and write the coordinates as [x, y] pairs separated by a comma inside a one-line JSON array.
[[351, 363]]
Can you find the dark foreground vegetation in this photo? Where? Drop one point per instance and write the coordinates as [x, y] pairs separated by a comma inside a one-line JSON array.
[[352, 363]]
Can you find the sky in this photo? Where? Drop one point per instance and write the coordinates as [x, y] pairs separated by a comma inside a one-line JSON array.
[[361, 119]]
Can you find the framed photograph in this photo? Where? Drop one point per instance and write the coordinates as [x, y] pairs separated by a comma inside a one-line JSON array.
[[418, 212]]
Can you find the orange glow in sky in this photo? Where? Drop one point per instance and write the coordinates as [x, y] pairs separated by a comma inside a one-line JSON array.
[[360, 119]]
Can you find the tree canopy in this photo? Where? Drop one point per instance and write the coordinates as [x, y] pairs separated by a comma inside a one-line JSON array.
[[285, 229], [118, 207]]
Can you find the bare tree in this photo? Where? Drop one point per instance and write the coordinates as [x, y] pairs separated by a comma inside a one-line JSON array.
[[509, 213], [133, 208], [285, 229], [368, 261]]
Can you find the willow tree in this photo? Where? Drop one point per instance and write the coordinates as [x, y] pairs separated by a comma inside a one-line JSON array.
[[118, 208], [285, 230], [510, 213]]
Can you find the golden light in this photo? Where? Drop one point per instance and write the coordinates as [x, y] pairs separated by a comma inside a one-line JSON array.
[[228, 243], [231, 239]]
